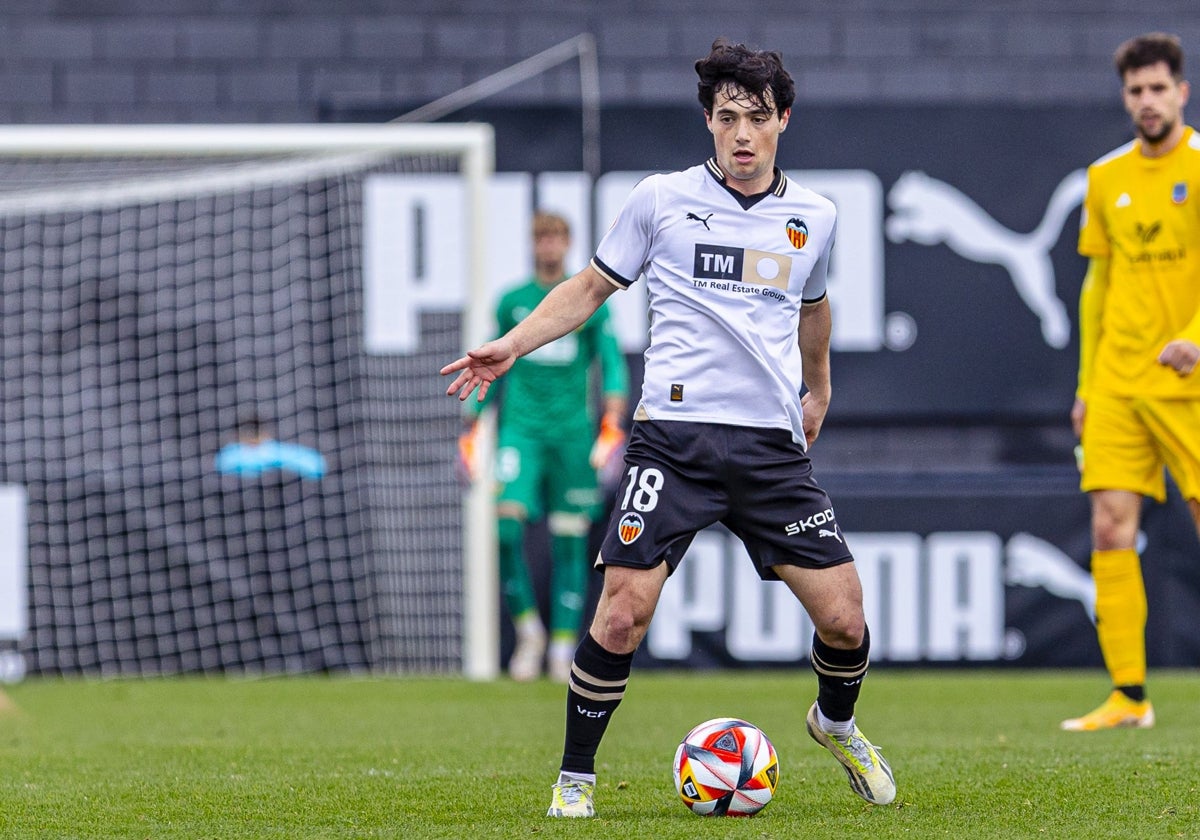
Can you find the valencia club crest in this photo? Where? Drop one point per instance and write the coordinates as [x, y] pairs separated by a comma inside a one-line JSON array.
[[797, 233]]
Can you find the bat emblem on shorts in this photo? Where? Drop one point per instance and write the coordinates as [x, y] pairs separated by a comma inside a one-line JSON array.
[[630, 528]]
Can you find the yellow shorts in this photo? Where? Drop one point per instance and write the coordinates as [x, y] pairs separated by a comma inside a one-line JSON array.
[[1128, 441]]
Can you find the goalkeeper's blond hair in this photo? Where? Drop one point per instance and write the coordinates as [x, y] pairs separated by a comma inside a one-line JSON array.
[[550, 224]]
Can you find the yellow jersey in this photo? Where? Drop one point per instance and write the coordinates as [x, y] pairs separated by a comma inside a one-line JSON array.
[[1142, 215]]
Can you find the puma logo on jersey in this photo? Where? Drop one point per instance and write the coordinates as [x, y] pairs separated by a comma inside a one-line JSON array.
[[694, 218], [827, 533]]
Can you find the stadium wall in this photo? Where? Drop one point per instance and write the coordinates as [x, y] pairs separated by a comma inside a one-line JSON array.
[[265, 61], [947, 451], [882, 63]]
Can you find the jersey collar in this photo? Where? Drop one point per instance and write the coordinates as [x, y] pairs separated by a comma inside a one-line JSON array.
[[777, 188], [1187, 139]]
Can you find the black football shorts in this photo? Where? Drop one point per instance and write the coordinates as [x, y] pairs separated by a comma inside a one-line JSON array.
[[681, 477]]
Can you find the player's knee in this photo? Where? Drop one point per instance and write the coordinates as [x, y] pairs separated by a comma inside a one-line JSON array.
[[1110, 533], [841, 630], [563, 524], [621, 627], [1115, 518], [511, 510]]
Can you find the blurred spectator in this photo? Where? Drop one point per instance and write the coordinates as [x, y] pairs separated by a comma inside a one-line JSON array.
[[256, 452]]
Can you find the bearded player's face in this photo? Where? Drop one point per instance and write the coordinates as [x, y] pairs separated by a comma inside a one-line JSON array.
[[1155, 100]]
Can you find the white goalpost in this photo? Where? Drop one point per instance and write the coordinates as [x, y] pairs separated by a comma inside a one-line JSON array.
[[160, 283], [483, 642]]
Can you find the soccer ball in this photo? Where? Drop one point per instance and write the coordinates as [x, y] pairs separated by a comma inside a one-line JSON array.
[[726, 767]]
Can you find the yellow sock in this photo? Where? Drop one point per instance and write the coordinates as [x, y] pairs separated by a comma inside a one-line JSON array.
[[1121, 614]]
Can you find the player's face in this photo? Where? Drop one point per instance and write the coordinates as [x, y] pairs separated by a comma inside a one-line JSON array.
[[747, 136], [1155, 100]]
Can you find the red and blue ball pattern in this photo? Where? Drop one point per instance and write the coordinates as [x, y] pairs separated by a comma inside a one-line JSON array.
[[726, 767]]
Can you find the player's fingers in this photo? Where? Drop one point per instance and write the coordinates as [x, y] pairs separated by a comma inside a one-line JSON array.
[[457, 364], [482, 355], [463, 383], [1181, 362]]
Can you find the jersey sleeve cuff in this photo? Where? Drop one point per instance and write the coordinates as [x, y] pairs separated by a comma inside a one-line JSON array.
[[610, 275]]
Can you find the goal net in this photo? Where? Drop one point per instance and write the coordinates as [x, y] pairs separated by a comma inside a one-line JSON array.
[[161, 286]]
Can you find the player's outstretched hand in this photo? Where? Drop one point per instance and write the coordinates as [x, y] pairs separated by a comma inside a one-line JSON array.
[[1180, 355], [480, 368]]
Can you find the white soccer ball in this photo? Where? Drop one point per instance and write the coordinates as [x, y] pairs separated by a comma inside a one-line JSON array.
[[726, 767]]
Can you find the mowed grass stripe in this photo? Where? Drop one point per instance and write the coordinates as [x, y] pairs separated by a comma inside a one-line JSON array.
[[977, 753]]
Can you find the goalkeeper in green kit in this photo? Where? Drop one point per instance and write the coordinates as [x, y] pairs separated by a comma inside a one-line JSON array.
[[548, 451]]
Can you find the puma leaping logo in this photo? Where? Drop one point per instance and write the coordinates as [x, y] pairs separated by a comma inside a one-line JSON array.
[[694, 218], [827, 533], [1035, 562], [928, 211]]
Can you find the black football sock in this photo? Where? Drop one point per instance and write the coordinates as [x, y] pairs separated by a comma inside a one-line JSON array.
[[597, 684], [839, 676], [1136, 693]]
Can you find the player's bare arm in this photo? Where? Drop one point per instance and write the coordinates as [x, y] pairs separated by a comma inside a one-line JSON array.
[[567, 307], [816, 326]]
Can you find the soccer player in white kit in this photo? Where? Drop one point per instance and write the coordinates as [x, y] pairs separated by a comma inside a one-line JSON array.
[[735, 258]]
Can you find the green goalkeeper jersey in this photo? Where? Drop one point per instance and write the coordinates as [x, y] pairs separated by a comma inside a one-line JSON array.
[[548, 393]]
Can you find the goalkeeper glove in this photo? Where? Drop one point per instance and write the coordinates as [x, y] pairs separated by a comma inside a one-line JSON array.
[[467, 442], [608, 442]]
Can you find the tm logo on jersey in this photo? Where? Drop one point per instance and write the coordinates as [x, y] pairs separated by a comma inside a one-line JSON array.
[[741, 265]]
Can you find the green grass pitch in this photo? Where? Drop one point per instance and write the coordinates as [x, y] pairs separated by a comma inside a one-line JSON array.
[[976, 753]]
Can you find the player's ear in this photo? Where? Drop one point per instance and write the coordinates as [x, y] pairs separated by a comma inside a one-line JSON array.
[[784, 118], [708, 120], [1184, 90]]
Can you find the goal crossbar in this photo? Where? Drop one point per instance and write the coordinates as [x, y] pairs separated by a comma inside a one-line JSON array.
[[468, 139]]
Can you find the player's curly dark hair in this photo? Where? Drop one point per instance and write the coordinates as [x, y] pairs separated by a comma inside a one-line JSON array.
[[754, 71], [1151, 48]]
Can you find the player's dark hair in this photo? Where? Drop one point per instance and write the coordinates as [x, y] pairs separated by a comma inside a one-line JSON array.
[[754, 71], [1151, 48], [250, 426]]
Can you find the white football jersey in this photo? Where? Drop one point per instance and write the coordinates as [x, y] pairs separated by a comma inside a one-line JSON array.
[[725, 278]]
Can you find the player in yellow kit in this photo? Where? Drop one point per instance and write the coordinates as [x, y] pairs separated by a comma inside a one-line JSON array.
[[1137, 407]]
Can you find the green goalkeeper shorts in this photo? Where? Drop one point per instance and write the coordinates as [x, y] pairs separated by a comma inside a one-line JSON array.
[[546, 476]]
